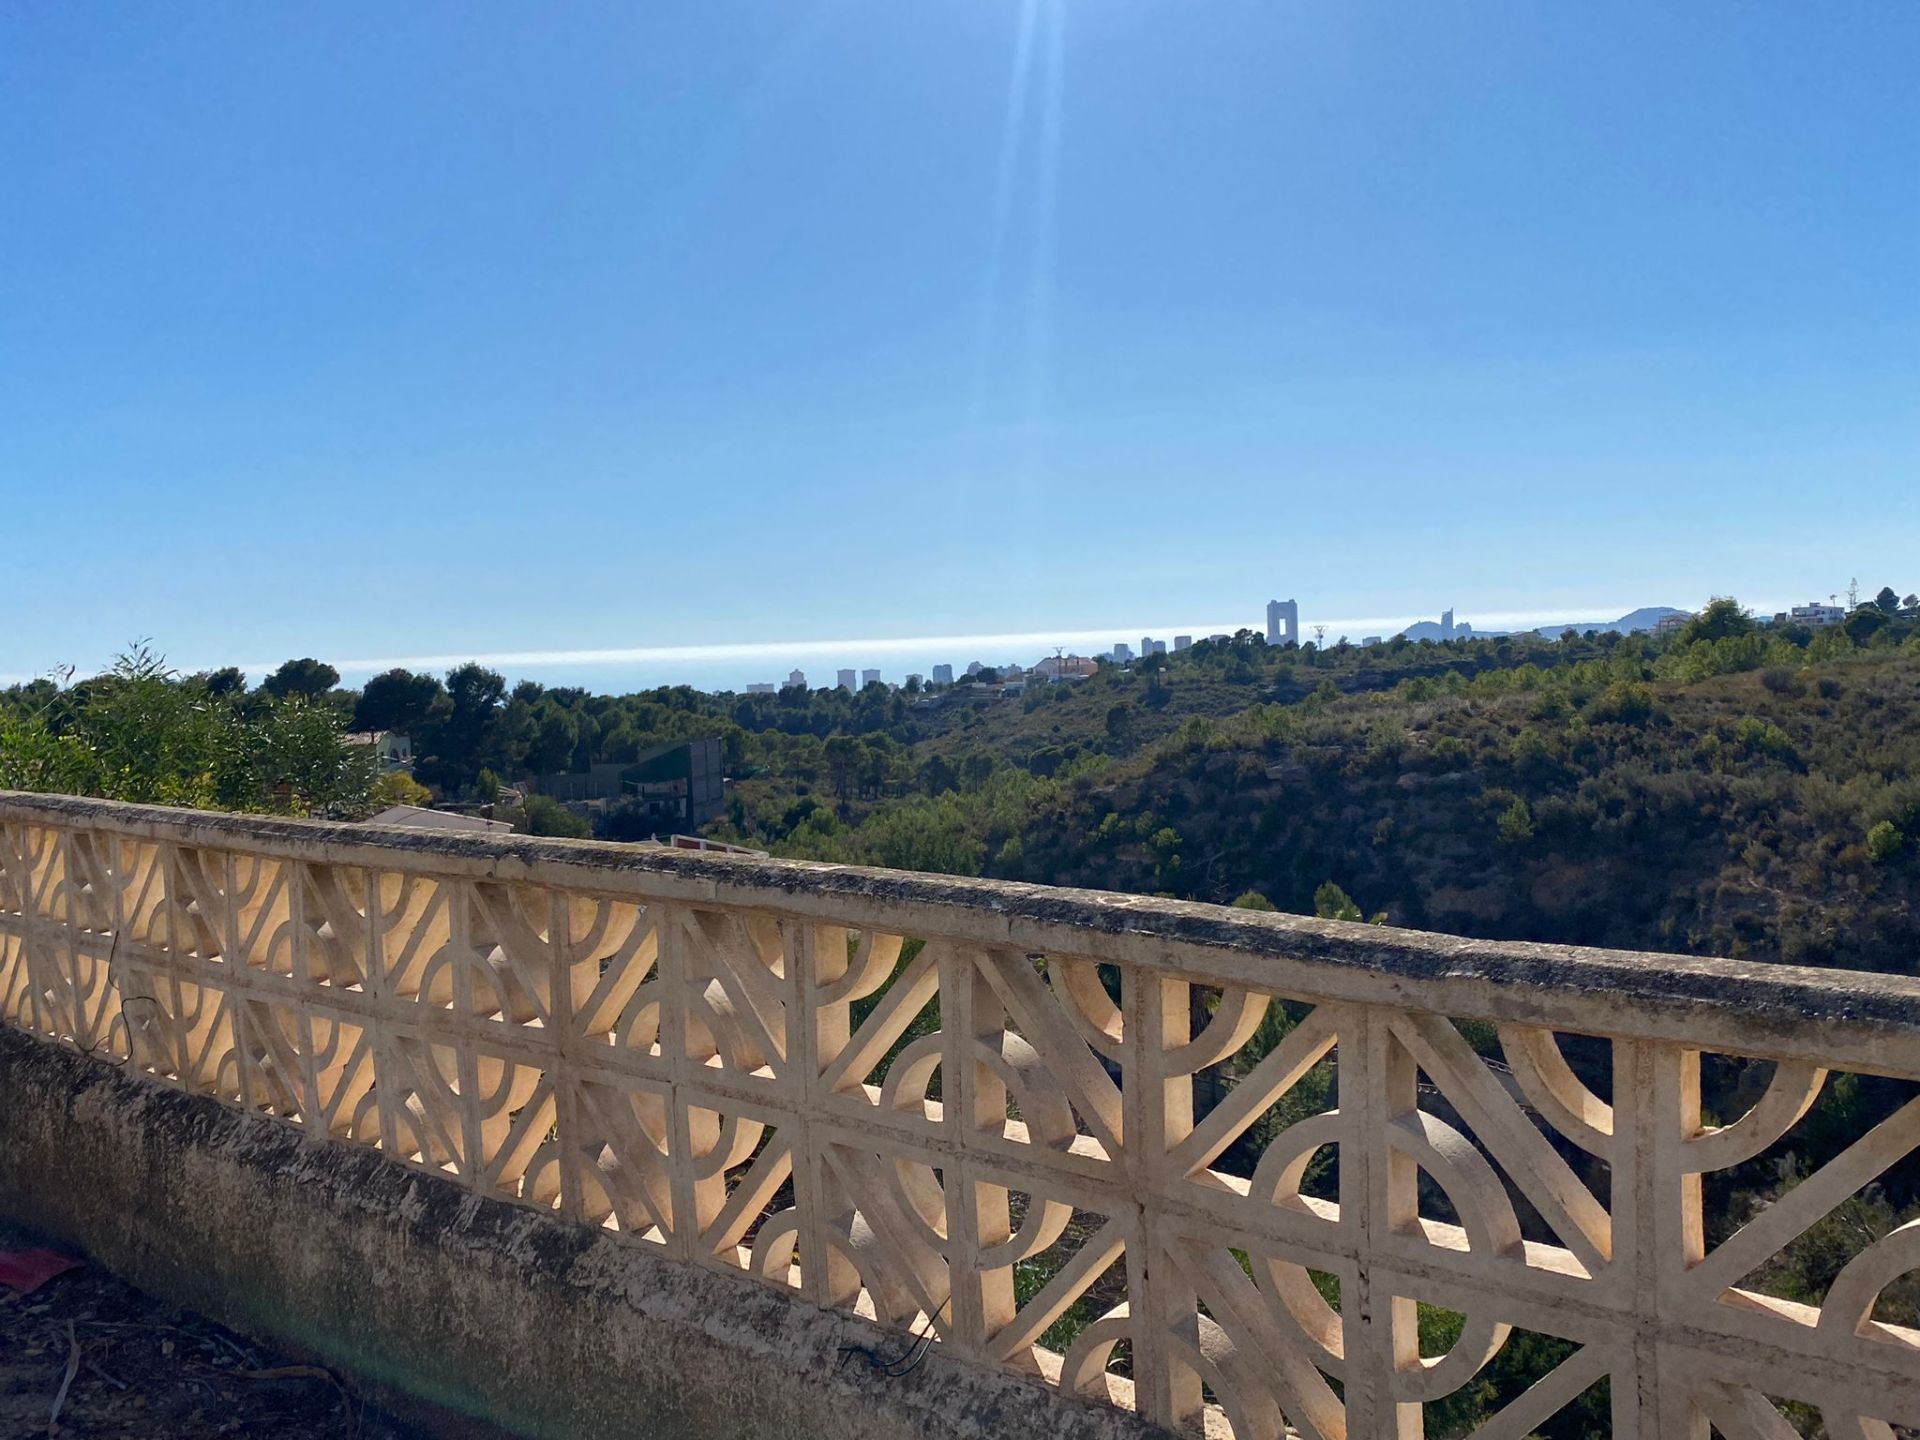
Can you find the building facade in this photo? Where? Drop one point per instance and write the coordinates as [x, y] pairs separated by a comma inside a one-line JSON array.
[[1816, 616], [1283, 622]]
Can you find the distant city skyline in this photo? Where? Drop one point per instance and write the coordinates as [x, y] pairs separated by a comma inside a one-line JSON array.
[[740, 665]]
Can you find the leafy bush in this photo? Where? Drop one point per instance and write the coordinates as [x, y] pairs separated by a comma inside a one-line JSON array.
[[1515, 825], [546, 816], [140, 732], [1884, 841]]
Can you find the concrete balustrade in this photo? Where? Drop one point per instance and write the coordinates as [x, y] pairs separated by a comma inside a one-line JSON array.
[[1206, 1166]]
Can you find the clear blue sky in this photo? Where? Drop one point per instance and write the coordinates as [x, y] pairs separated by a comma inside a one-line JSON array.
[[377, 330]]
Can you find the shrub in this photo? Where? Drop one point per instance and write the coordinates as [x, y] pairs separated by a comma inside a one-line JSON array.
[[547, 816], [1515, 825], [1621, 703], [1884, 841]]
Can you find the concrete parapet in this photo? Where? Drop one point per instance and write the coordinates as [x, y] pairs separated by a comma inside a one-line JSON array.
[[485, 1311], [594, 1140]]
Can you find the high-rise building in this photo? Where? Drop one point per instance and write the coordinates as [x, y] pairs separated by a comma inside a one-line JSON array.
[[1122, 653], [943, 674], [974, 667], [1283, 622], [761, 687], [1159, 647], [797, 677], [844, 679], [1146, 645], [1182, 642], [869, 677]]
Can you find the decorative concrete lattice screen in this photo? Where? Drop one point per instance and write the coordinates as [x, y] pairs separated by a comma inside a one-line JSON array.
[[1023, 1121]]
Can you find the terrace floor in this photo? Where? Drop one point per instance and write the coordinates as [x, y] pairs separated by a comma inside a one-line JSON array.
[[150, 1370]]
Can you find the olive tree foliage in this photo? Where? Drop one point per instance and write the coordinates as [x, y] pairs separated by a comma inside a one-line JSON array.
[[143, 733]]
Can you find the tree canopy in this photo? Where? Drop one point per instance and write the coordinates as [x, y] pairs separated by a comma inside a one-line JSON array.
[[306, 677]]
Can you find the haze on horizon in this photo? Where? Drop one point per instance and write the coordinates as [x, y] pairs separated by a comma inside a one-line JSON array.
[[657, 333], [735, 665]]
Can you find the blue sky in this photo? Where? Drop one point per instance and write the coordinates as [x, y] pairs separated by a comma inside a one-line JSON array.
[[378, 331]]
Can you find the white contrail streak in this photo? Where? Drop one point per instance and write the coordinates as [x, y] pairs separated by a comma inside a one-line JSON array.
[[1022, 645], [1019, 644]]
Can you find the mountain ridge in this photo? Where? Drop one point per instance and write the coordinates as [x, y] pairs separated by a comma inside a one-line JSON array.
[[1633, 622]]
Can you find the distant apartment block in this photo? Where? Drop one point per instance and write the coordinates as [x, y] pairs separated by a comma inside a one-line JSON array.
[[1814, 616], [797, 677], [762, 687], [975, 667], [869, 677], [1066, 667], [844, 679], [1159, 647], [1283, 622], [943, 674], [1670, 624], [1122, 653], [1146, 645], [1182, 642]]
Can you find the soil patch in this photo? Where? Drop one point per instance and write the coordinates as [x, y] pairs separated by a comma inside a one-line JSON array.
[[135, 1366]]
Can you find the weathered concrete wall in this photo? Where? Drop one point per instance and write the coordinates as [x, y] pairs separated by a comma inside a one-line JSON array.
[[491, 1311], [684, 1044]]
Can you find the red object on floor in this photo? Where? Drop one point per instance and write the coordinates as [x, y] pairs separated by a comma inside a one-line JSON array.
[[27, 1270]]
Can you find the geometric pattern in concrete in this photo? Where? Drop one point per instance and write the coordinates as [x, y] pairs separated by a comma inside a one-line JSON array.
[[968, 1111]]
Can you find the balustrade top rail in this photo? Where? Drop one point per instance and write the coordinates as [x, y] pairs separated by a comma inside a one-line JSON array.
[[1227, 1168], [1749, 1007]]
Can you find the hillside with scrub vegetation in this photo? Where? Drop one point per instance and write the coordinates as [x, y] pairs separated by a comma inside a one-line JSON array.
[[1732, 789], [1735, 791]]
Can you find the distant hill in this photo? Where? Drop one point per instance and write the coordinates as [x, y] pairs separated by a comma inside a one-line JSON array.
[[1645, 618]]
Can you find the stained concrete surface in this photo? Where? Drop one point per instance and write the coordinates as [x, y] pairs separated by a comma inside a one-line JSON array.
[[466, 1314]]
